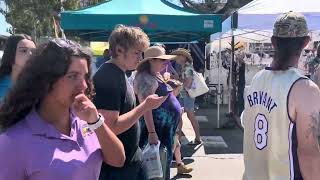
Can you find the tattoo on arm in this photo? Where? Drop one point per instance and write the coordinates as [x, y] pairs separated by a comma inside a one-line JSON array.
[[315, 126], [147, 85]]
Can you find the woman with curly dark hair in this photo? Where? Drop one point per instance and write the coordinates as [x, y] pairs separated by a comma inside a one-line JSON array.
[[17, 51], [51, 128]]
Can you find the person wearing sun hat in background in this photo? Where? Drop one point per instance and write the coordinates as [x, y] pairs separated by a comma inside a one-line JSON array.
[[171, 77], [184, 59], [159, 124]]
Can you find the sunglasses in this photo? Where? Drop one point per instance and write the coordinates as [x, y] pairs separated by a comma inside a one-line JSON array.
[[162, 60], [64, 43]]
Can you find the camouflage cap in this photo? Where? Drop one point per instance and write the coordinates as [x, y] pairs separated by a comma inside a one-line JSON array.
[[290, 25]]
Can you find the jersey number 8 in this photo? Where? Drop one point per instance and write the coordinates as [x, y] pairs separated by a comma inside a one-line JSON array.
[[260, 131]]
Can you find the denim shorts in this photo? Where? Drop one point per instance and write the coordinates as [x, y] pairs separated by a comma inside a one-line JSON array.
[[187, 103]]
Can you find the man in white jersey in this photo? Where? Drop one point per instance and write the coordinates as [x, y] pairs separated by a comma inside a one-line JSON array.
[[282, 111]]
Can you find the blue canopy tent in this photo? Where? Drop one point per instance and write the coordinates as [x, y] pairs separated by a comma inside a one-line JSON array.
[[162, 21]]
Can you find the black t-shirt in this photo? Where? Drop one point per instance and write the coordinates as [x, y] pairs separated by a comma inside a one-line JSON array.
[[114, 92]]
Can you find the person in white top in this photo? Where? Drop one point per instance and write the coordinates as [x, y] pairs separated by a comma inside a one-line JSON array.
[[282, 111]]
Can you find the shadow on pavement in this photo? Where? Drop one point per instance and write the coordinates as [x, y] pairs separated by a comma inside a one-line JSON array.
[[226, 140], [186, 161], [182, 176]]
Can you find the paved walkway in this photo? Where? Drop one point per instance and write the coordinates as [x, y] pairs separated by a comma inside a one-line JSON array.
[[219, 157]]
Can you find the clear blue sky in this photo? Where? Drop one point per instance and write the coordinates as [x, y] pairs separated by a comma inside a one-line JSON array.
[[3, 24]]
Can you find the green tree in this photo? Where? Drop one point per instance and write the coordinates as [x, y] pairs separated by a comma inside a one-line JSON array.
[[225, 7], [35, 17]]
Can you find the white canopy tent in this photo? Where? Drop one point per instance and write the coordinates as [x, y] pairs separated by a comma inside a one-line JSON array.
[[260, 15], [245, 35]]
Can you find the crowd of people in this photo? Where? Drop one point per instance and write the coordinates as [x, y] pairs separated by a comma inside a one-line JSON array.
[[57, 121]]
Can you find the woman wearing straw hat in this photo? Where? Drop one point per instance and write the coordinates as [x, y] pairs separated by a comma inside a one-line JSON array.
[[161, 123], [186, 76]]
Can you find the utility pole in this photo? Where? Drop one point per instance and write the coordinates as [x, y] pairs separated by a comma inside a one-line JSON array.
[[232, 79]]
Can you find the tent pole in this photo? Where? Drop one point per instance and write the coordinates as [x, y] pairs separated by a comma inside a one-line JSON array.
[[261, 52], [231, 73], [206, 71], [219, 87]]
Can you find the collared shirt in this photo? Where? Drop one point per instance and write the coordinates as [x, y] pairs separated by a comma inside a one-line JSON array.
[[35, 150]]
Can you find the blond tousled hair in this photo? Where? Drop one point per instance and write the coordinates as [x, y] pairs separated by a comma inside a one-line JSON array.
[[127, 37]]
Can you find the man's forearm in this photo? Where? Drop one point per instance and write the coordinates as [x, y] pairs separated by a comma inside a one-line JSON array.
[[127, 120], [310, 169], [111, 146]]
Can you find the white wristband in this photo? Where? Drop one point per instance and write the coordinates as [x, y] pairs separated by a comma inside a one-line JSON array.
[[97, 124]]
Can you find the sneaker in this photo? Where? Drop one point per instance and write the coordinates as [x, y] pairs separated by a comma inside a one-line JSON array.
[[183, 169]]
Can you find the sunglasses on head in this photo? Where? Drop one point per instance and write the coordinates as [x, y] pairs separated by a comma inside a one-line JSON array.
[[64, 43]]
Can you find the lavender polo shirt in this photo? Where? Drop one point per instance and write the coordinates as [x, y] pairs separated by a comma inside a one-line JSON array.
[[35, 150]]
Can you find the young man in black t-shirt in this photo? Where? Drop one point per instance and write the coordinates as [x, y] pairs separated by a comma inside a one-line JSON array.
[[116, 101]]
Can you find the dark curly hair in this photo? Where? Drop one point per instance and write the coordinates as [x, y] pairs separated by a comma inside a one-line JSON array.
[[9, 53], [48, 64]]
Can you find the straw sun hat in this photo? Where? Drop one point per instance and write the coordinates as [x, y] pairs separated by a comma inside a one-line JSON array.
[[183, 52], [155, 52]]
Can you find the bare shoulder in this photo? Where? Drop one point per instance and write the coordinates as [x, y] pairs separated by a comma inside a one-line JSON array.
[[304, 99], [304, 89], [145, 83], [144, 79], [304, 109]]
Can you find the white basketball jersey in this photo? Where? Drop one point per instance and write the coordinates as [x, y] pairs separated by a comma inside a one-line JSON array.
[[270, 143]]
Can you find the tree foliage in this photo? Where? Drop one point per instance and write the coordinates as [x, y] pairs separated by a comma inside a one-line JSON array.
[[35, 17], [225, 7]]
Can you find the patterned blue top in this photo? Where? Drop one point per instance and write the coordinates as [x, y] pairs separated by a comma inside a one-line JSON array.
[[166, 117]]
